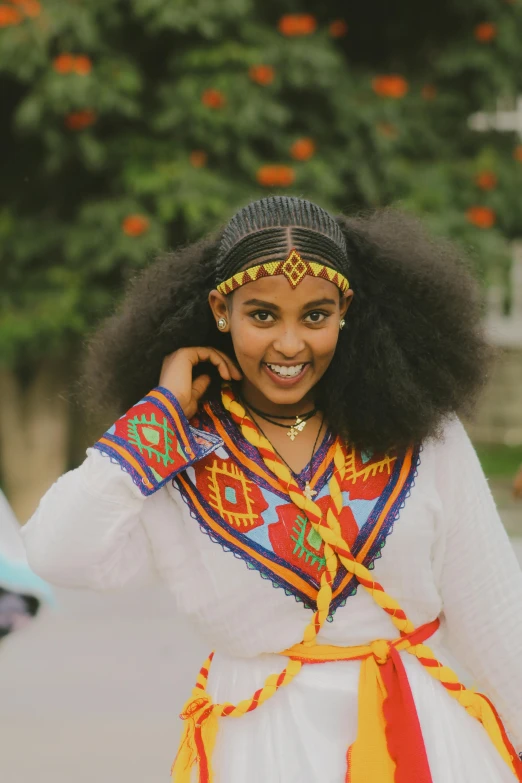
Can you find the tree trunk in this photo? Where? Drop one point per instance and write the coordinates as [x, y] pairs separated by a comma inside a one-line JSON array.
[[34, 435]]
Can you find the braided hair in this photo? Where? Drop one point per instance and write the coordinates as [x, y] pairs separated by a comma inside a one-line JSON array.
[[413, 350], [270, 228]]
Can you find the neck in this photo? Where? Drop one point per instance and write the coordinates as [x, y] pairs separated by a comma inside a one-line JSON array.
[[254, 397]]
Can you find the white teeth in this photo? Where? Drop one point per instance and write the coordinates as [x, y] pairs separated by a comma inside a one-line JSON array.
[[286, 372]]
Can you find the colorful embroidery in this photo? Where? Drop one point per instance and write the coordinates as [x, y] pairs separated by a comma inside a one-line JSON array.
[[153, 441], [229, 492], [215, 419], [294, 268], [155, 438], [237, 502]]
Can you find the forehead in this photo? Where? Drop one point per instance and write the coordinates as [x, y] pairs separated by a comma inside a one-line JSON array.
[[278, 291]]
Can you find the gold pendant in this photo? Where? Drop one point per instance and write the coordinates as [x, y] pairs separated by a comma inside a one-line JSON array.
[[308, 492], [297, 427]]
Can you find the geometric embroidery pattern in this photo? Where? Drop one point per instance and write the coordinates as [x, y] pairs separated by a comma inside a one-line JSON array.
[[153, 437], [248, 513], [236, 499], [153, 441], [294, 268], [367, 469], [303, 541]]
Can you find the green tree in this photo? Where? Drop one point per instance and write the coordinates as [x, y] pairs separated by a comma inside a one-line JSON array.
[[134, 126]]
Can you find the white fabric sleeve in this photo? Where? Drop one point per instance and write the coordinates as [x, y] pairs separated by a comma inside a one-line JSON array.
[[480, 581], [86, 531]]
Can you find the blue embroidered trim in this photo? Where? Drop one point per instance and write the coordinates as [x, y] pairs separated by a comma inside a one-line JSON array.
[[201, 443], [117, 459], [251, 562], [374, 553]]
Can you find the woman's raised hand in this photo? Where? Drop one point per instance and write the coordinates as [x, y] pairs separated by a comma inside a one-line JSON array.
[[177, 375]]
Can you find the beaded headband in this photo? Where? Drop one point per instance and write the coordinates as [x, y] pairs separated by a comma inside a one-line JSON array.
[[294, 268]]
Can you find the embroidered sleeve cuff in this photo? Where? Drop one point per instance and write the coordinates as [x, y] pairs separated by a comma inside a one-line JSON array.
[[154, 440]]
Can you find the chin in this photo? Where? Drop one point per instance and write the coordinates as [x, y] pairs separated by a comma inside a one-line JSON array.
[[288, 396]]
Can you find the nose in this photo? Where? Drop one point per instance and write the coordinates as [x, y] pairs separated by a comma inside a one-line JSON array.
[[289, 344]]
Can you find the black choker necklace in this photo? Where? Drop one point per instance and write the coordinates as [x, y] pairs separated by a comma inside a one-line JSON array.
[[298, 425]]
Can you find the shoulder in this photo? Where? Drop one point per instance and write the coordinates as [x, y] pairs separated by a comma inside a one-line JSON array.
[[453, 462], [452, 440]]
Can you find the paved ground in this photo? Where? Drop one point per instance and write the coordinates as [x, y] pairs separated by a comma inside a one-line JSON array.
[[90, 692]]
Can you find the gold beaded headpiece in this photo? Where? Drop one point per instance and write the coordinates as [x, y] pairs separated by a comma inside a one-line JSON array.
[[294, 268]]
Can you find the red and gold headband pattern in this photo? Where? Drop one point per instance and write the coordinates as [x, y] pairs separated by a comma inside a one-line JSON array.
[[294, 268]]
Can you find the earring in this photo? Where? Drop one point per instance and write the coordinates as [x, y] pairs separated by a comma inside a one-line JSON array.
[[222, 324], [342, 323]]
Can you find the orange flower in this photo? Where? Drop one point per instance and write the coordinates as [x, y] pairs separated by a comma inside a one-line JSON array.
[[387, 129], [135, 225], [429, 92], [485, 32], [482, 217], [214, 99], [82, 65], [338, 28], [390, 86], [64, 63], [261, 74], [297, 24], [31, 8], [486, 180], [303, 149], [275, 176], [9, 16], [198, 158], [79, 120], [517, 153]]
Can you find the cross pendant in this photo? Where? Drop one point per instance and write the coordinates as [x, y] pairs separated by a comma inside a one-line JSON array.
[[296, 428], [308, 492]]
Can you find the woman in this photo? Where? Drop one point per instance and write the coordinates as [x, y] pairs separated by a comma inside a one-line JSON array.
[[330, 465]]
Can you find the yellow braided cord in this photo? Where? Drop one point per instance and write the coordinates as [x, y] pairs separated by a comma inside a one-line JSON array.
[[337, 547], [330, 533]]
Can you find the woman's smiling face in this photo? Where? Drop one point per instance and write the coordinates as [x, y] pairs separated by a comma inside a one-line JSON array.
[[284, 338]]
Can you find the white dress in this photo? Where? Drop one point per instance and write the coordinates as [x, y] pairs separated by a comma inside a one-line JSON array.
[[446, 556]]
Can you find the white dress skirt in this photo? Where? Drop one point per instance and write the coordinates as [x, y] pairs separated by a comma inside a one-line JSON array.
[[447, 556]]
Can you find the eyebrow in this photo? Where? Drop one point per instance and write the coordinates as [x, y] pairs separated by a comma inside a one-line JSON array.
[[307, 306]]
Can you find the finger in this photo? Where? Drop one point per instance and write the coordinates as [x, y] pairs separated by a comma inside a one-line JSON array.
[[234, 370], [215, 358], [199, 386]]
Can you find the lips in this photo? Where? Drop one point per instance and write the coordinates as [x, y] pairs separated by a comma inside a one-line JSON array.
[[285, 370], [286, 374]]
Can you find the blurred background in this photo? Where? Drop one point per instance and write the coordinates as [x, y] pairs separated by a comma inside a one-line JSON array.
[[133, 126]]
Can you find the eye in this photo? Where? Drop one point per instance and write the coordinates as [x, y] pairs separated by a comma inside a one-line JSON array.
[[262, 315], [316, 317]]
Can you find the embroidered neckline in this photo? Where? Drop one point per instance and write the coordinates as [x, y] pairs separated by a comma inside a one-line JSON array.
[[217, 419], [366, 547]]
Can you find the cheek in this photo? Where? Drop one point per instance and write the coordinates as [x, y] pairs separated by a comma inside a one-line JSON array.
[[324, 343], [250, 342]]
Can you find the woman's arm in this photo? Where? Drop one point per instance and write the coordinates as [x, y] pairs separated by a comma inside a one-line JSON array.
[[480, 581], [86, 531]]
